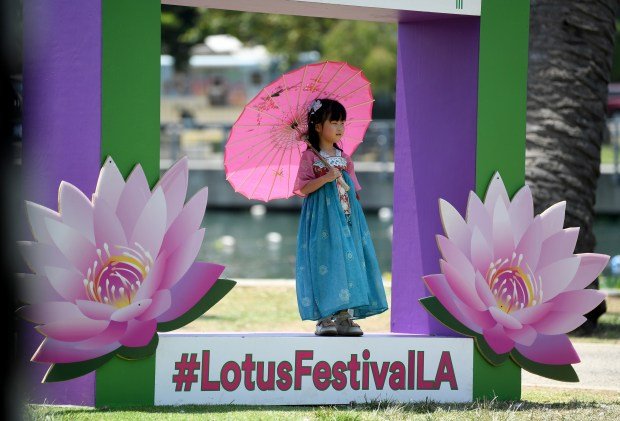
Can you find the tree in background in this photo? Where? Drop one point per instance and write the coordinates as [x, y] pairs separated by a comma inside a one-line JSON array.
[[178, 33], [571, 48], [368, 45]]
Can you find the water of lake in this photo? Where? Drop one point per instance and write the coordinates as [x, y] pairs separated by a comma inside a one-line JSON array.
[[265, 247]]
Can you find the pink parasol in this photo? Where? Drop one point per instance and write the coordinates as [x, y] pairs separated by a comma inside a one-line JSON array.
[[264, 148]]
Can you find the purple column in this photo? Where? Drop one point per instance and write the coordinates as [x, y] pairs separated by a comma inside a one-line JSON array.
[[62, 132], [435, 153]]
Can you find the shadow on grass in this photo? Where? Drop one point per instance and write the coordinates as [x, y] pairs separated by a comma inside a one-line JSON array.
[[426, 407]]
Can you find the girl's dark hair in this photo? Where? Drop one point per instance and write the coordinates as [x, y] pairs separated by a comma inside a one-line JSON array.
[[329, 110]]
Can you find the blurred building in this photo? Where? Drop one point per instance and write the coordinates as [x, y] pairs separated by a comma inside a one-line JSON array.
[[223, 71]]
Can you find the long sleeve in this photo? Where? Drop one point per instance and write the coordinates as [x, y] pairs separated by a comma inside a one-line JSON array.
[[305, 173]]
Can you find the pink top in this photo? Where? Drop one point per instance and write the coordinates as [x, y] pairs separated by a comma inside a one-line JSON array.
[[311, 167]]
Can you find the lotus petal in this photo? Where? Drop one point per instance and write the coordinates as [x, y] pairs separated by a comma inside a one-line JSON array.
[[52, 351], [181, 260], [580, 301], [107, 270], [557, 276], [554, 349], [174, 185], [37, 215], [515, 277], [73, 245], [553, 219], [187, 222], [481, 252], [521, 212], [558, 246], [455, 227], [133, 199], [132, 311], [139, 333], [496, 193], [524, 336], [73, 330], [439, 287], [95, 310], [35, 289], [591, 265], [161, 302], [76, 210], [110, 184], [505, 319], [503, 242], [530, 245], [191, 288], [558, 322], [107, 227], [464, 288], [498, 340], [67, 282], [150, 228]]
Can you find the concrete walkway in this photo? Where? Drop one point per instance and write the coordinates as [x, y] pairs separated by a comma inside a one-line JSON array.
[[599, 369]]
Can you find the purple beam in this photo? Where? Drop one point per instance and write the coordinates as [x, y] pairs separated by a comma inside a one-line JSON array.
[[435, 153], [62, 132]]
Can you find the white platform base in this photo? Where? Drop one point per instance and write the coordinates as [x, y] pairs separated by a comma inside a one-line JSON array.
[[303, 369]]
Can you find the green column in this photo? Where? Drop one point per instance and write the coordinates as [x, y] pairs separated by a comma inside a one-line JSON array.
[[131, 32], [130, 135], [502, 95], [124, 383]]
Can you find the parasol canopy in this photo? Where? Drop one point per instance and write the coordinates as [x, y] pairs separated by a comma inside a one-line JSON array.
[[264, 148]]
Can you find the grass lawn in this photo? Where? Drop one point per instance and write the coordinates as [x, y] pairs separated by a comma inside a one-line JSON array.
[[272, 307], [537, 404], [607, 154]]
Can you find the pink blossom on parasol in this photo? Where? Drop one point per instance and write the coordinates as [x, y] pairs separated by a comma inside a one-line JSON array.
[[264, 148]]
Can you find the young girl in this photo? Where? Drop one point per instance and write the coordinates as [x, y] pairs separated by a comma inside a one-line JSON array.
[[338, 277]]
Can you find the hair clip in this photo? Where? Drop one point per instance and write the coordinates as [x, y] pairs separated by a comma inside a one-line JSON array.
[[316, 104]]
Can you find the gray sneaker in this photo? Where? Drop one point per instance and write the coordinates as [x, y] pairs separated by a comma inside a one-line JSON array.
[[326, 327], [345, 326]]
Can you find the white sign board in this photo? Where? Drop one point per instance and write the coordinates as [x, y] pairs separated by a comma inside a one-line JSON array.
[[302, 369], [371, 10]]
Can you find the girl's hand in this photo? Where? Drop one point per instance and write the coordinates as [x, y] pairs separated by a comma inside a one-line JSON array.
[[332, 174]]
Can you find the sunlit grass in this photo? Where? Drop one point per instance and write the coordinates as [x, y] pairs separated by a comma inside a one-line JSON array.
[[607, 154], [537, 403], [273, 308]]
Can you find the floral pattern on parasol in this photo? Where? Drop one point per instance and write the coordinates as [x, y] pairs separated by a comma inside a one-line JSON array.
[[264, 148]]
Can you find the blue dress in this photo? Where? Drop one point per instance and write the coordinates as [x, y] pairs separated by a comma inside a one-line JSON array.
[[336, 267]]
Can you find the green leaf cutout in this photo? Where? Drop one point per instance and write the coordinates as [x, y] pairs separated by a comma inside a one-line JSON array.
[[215, 294], [61, 372], [563, 373], [434, 307], [487, 352], [130, 353]]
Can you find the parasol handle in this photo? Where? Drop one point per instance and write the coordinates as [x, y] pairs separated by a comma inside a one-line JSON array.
[[340, 180]]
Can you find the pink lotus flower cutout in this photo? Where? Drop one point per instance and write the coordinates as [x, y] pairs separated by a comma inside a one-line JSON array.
[[512, 277], [107, 271]]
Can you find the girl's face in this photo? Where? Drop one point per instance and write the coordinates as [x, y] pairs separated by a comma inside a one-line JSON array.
[[331, 130]]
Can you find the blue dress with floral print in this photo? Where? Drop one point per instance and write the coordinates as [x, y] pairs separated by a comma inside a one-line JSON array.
[[336, 267]]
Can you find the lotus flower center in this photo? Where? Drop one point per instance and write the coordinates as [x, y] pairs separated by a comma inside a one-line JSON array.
[[513, 287], [115, 278]]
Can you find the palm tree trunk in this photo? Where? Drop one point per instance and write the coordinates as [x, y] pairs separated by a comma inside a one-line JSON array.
[[571, 48]]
